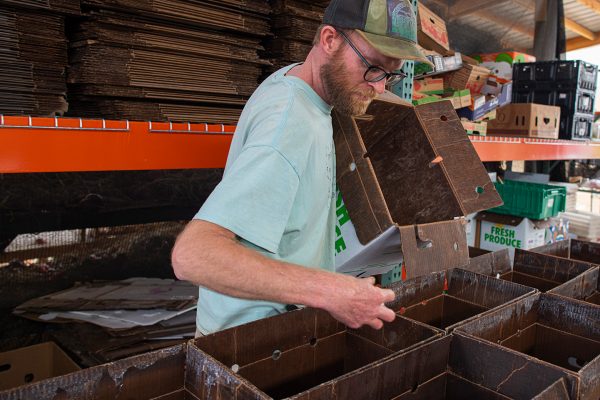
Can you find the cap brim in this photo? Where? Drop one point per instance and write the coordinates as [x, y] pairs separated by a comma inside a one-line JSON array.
[[394, 47]]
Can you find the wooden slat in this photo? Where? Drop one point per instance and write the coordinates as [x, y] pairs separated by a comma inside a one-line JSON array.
[[580, 42], [579, 29]]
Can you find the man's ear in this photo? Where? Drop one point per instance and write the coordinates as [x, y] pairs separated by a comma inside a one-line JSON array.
[[330, 39]]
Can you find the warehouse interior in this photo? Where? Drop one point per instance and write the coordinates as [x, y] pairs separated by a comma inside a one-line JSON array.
[[116, 118]]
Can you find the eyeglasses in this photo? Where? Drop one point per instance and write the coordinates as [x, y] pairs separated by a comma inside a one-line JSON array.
[[375, 73]]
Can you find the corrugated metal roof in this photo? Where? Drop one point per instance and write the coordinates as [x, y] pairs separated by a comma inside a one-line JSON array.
[[507, 24]]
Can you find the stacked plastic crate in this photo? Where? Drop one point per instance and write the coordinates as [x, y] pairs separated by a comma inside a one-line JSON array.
[[568, 84]]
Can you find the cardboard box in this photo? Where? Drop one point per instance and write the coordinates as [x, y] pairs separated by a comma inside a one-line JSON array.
[[459, 98], [543, 272], [491, 263], [497, 232], [480, 106], [505, 96], [287, 364], [501, 63], [33, 363], [420, 98], [573, 249], [451, 367], [475, 128], [448, 299], [585, 287], [429, 85], [495, 87], [470, 77], [410, 171], [293, 355], [557, 331], [432, 32], [532, 120], [171, 373], [440, 65]]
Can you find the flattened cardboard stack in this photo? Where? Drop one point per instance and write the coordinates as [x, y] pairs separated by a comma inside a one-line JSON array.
[[294, 24], [33, 55], [166, 59], [105, 321]]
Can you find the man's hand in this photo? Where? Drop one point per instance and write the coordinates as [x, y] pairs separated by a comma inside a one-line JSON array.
[[357, 302]]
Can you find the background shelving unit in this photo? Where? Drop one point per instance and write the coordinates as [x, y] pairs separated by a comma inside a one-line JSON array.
[[73, 144]]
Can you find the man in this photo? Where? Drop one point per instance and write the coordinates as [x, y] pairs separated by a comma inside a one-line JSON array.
[[265, 237]]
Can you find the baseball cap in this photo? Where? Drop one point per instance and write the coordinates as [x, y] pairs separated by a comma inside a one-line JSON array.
[[390, 26]]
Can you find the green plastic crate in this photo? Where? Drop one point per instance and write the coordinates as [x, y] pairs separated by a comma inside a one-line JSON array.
[[392, 276], [530, 200]]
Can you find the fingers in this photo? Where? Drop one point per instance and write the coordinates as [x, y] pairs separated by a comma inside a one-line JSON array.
[[388, 295], [386, 314], [371, 280], [376, 323]]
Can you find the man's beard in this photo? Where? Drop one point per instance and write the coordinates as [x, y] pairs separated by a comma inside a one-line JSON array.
[[344, 98]]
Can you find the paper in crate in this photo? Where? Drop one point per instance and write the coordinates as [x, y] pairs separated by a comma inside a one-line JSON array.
[[405, 174]]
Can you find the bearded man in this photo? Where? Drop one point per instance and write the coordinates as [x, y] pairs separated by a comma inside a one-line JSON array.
[[264, 239]]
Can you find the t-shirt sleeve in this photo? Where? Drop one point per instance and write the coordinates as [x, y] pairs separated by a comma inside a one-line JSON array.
[[254, 199]]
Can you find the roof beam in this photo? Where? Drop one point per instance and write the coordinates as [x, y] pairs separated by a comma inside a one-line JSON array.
[[580, 42], [569, 23], [593, 4], [580, 30]]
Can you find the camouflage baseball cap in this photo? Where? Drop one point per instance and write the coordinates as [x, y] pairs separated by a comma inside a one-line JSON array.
[[390, 26]]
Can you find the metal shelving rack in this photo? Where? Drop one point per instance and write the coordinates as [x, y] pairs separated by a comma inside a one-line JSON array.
[[72, 144]]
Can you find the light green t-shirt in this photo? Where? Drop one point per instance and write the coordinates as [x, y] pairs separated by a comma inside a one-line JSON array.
[[278, 190]]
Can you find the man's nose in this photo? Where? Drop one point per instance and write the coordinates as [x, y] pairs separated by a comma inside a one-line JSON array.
[[379, 86]]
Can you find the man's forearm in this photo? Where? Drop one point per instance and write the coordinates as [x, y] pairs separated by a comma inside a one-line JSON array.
[[211, 256], [221, 263]]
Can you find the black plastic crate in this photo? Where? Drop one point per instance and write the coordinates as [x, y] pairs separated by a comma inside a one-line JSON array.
[[523, 72], [585, 74], [571, 74], [545, 71], [575, 100], [569, 100], [576, 126]]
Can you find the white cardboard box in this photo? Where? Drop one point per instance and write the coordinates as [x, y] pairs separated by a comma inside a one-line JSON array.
[[497, 232], [471, 229]]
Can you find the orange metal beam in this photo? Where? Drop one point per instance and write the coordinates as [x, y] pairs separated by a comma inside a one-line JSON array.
[[492, 148], [66, 144]]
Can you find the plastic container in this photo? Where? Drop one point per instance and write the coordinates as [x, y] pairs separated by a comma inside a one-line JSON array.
[[530, 200]]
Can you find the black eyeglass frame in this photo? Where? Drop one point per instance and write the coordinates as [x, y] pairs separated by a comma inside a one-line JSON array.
[[391, 78]]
